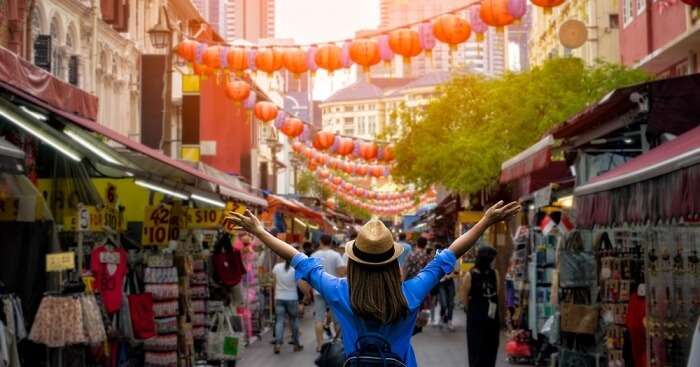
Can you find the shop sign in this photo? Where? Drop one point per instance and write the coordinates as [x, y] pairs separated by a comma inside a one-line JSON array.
[[204, 218], [468, 216], [60, 261], [8, 209], [156, 225]]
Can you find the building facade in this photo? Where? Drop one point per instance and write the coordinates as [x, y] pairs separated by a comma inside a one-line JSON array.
[[249, 20], [366, 108], [602, 20], [661, 37]]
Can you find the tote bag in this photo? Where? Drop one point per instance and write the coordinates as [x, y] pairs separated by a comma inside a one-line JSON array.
[[142, 315], [222, 342]]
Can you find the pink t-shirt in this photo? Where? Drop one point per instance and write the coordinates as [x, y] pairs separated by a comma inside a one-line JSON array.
[[109, 269]]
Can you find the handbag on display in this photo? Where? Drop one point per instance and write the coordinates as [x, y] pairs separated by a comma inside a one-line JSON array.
[[222, 342], [143, 322], [577, 269], [577, 315]]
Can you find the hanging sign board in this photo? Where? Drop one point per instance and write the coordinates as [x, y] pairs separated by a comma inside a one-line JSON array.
[[156, 225], [229, 227], [87, 219], [204, 218], [60, 261]]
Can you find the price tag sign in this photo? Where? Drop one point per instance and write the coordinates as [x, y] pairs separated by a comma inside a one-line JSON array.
[[156, 225], [87, 218], [229, 227], [60, 261], [204, 218]]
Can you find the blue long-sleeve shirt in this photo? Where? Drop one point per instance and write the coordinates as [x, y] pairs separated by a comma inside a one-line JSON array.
[[336, 292]]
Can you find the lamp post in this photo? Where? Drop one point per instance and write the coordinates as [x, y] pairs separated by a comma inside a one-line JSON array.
[[161, 36]]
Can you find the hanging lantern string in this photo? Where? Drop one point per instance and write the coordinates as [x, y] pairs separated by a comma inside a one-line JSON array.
[[368, 35]]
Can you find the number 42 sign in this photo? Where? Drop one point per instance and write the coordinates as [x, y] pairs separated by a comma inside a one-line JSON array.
[[156, 225]]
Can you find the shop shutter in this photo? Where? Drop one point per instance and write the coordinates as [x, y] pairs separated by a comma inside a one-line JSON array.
[[73, 63], [121, 23], [109, 13], [42, 52]]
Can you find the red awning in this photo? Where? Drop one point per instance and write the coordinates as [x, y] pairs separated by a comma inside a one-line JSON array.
[[529, 160], [684, 151], [18, 75], [295, 208]]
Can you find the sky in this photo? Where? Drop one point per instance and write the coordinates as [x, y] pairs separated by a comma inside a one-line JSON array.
[[317, 21]]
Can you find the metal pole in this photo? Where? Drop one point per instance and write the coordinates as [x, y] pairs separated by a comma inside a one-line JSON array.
[[166, 139], [80, 241]]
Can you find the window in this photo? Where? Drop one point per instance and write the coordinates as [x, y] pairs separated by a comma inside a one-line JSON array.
[[627, 12], [641, 6], [348, 120], [348, 109], [614, 21]]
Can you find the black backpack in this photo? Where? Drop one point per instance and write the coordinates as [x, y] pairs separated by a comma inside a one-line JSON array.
[[332, 355], [372, 349]]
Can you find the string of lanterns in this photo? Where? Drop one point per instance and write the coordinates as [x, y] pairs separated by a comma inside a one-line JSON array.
[[316, 159], [373, 201]]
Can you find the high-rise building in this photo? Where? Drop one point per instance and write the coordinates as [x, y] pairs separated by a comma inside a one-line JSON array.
[[214, 12], [250, 20]]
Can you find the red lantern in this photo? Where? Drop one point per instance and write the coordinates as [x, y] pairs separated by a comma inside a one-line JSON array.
[[312, 167], [294, 60], [269, 60], [452, 30], [349, 168], [345, 146], [265, 111], [187, 49], [237, 59], [324, 174], [406, 43], [212, 57], [376, 171], [368, 151], [292, 127], [365, 52], [547, 5], [329, 57], [237, 90], [347, 186], [336, 180], [495, 13], [297, 146], [323, 140], [202, 70], [361, 170]]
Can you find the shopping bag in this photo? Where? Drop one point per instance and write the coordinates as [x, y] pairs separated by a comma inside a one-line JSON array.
[[142, 315], [579, 319], [222, 341]]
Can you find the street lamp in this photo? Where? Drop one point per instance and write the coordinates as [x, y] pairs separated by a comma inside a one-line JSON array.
[[161, 36]]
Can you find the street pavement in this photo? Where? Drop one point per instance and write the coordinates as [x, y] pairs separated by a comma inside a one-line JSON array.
[[433, 347]]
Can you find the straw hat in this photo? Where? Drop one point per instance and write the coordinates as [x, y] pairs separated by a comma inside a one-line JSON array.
[[374, 245]]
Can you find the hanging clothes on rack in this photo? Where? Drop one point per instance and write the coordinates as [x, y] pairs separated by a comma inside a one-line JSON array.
[[109, 266]]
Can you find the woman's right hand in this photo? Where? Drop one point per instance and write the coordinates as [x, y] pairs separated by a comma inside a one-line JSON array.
[[500, 212], [248, 222]]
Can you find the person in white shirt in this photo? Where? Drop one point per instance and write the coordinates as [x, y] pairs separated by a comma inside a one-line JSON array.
[[333, 264], [286, 303]]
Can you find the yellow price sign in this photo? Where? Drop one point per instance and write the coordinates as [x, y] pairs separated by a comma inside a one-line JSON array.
[[60, 261], [204, 218], [156, 225], [229, 227], [88, 218]]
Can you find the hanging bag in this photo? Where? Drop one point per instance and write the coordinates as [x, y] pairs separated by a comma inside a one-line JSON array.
[[142, 314], [577, 269], [222, 342], [581, 317]]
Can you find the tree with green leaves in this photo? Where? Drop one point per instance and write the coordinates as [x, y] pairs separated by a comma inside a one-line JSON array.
[[461, 139]]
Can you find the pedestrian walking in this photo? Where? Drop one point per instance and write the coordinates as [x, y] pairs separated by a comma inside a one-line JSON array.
[[333, 264], [286, 303], [446, 298], [418, 259], [375, 309], [480, 295], [407, 249]]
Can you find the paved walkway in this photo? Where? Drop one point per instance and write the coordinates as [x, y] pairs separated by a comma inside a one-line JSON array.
[[433, 347]]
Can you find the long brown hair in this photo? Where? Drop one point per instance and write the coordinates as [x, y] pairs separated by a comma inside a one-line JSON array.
[[375, 292]]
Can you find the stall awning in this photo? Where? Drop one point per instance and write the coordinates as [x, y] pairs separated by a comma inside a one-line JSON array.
[[295, 208], [530, 160], [684, 151], [669, 100], [658, 185]]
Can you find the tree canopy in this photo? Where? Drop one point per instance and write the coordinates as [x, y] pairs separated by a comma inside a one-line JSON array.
[[460, 139]]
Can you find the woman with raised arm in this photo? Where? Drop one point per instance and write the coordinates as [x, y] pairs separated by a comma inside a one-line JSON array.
[[376, 310]]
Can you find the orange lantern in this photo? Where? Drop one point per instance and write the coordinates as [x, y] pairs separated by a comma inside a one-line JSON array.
[[187, 49], [547, 5], [495, 13], [292, 127], [336, 180], [237, 58], [361, 170], [311, 166], [376, 171], [324, 174], [452, 30], [308, 153], [323, 140], [202, 70], [298, 147], [347, 186], [349, 168], [368, 151], [212, 57], [237, 90], [389, 153], [269, 60], [265, 111], [365, 52], [406, 43], [345, 146], [329, 57], [294, 60]]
